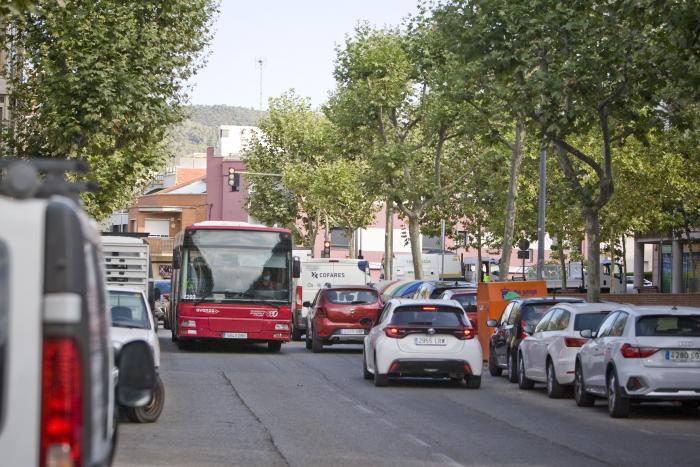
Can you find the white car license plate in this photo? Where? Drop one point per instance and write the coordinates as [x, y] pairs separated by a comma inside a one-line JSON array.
[[683, 355], [431, 340], [236, 335], [352, 332]]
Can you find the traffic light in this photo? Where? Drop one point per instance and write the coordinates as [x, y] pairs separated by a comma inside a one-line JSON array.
[[234, 179], [327, 249]]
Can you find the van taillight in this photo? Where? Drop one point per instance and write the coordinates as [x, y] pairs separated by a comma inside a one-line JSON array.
[[298, 302], [61, 403]]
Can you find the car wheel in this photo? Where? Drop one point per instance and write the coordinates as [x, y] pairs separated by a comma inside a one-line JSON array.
[[554, 389], [365, 372], [151, 411], [308, 336], [296, 334], [512, 368], [583, 399], [473, 381], [618, 405], [316, 343], [523, 381], [274, 346], [494, 369], [379, 379]]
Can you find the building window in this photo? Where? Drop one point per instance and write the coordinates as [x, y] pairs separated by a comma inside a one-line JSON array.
[[339, 239]]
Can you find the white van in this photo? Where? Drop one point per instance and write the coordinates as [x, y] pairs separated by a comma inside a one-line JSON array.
[[432, 265], [315, 274]]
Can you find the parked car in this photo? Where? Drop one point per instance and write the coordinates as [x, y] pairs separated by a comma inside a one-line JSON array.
[[422, 338], [639, 354], [57, 366], [549, 354], [433, 289], [466, 298], [517, 321], [630, 284], [336, 313], [132, 320]]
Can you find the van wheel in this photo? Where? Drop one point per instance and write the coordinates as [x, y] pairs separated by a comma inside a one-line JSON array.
[[523, 381], [494, 369], [618, 404], [151, 411], [274, 346], [583, 399], [316, 343], [296, 334], [512, 368]]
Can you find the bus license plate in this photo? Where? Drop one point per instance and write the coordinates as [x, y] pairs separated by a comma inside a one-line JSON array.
[[683, 355], [235, 335], [431, 340]]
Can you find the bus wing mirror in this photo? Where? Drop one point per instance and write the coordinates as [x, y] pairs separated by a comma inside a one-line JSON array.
[[296, 267]]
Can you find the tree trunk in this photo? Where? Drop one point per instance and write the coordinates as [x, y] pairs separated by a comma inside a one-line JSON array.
[[562, 262], [624, 262], [416, 252], [592, 226], [389, 242], [477, 270], [350, 235], [515, 162]]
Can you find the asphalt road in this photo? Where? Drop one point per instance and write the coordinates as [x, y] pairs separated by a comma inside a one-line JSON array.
[[240, 405]]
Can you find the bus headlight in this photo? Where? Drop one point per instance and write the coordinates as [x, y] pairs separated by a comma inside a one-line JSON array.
[[188, 323], [281, 327]]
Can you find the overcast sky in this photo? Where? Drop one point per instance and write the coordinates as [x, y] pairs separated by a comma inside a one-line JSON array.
[[296, 40]]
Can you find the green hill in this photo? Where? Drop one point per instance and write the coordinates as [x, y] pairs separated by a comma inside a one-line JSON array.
[[199, 130]]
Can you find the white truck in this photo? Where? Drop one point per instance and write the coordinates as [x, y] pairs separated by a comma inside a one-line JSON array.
[[316, 274], [126, 261], [402, 266], [611, 279]]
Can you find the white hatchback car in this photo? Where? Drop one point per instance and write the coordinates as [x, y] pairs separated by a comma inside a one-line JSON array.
[[422, 338], [641, 354], [549, 354], [132, 320]]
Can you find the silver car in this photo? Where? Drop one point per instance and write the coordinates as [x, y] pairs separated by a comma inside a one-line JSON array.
[[647, 353]]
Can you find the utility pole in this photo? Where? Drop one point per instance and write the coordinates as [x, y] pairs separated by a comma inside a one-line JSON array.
[[540, 210], [260, 64]]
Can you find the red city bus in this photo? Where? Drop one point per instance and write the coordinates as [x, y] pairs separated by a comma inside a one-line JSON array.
[[232, 280]]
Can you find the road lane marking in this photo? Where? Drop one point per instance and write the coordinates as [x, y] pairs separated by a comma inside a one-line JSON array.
[[388, 423], [447, 460], [416, 440], [642, 430], [364, 409], [346, 399]]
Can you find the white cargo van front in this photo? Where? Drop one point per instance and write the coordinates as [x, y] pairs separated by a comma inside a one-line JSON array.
[[315, 274]]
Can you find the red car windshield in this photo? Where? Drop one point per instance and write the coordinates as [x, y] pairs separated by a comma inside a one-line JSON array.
[[351, 297]]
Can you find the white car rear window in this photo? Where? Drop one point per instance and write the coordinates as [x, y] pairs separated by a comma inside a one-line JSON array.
[[668, 325]]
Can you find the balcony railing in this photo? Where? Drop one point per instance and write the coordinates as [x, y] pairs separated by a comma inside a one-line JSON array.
[[161, 246]]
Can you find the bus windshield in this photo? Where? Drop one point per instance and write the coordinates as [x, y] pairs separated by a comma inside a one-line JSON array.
[[220, 266]]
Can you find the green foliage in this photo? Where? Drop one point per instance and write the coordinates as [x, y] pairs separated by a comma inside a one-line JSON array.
[[103, 81], [200, 127]]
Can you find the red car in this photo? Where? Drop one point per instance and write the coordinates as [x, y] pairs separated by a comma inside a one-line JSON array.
[[335, 314]]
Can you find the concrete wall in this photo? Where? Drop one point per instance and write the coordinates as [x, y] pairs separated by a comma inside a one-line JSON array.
[[224, 204]]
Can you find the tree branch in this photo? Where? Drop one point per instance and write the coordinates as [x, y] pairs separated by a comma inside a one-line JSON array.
[[588, 160]]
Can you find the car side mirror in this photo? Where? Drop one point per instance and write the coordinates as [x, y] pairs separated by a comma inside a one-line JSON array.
[[296, 267], [137, 374], [529, 328], [492, 323], [366, 321], [306, 304], [588, 333]]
